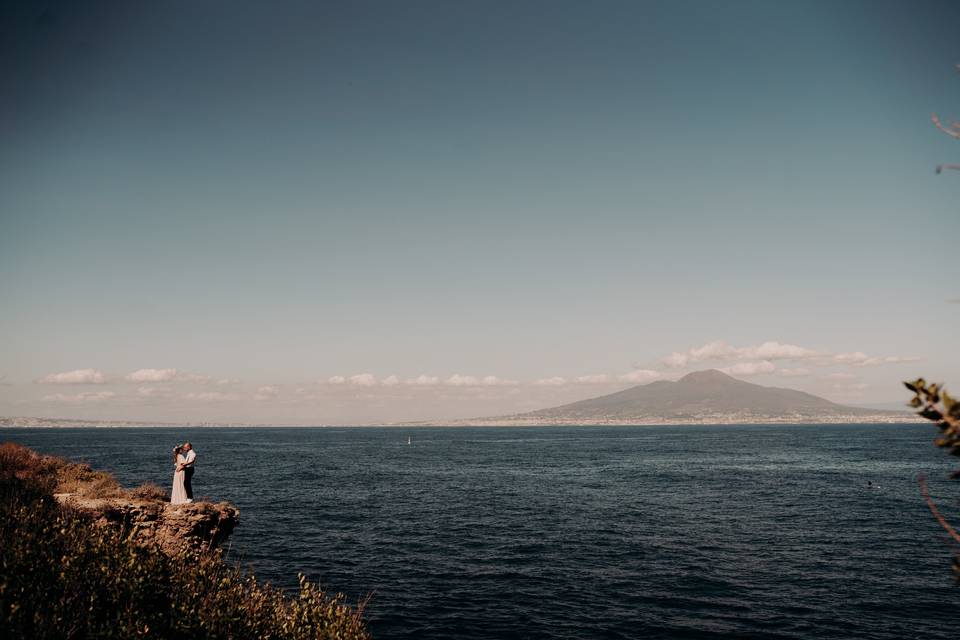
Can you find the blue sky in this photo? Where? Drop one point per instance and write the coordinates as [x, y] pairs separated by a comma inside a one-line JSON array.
[[281, 196]]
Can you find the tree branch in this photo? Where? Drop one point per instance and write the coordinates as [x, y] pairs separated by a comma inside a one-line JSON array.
[[951, 131], [936, 512]]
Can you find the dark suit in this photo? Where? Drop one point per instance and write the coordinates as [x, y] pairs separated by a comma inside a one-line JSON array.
[[187, 480]]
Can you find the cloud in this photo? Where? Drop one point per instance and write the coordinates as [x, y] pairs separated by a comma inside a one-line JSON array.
[[86, 396], [860, 359], [457, 380], [363, 380], [153, 392], [77, 376], [599, 378], [267, 392], [746, 369], [390, 381], [423, 381], [641, 376], [211, 396], [194, 377], [720, 350], [152, 375], [794, 373], [555, 381], [223, 382], [358, 380]]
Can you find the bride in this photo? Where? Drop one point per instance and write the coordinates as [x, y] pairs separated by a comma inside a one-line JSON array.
[[179, 494]]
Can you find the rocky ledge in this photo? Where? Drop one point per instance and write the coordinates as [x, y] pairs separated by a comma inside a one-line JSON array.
[[173, 528]]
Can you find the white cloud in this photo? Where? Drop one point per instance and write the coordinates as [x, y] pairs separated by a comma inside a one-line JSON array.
[[555, 381], [778, 351], [363, 380], [267, 392], [358, 380], [86, 396], [720, 350], [423, 381], [860, 359], [152, 392], [223, 382], [641, 376], [78, 376], [746, 369], [194, 377], [211, 396], [853, 357], [593, 379], [797, 372], [152, 375], [457, 380], [390, 381]]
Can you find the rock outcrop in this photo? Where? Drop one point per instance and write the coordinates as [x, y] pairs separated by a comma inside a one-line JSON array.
[[173, 528]]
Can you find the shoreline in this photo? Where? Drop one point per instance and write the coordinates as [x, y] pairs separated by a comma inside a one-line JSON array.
[[905, 419]]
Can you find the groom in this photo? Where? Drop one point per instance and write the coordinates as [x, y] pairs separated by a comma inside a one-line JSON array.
[[188, 469]]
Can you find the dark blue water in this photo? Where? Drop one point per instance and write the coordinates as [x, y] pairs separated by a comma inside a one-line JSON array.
[[583, 532]]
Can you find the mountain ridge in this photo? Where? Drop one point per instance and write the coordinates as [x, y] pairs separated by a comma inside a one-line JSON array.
[[700, 397]]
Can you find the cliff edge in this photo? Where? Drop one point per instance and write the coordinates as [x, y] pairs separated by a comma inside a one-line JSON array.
[[200, 526]]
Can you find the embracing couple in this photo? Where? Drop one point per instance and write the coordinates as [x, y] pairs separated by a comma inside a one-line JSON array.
[[184, 457]]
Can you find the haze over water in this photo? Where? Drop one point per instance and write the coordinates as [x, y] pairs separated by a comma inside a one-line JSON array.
[[579, 532]]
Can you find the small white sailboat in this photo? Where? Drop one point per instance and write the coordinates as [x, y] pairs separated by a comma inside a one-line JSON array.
[[408, 440]]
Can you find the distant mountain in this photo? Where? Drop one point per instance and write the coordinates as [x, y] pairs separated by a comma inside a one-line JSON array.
[[701, 397]]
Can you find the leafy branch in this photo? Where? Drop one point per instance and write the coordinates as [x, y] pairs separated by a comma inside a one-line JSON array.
[[934, 403]]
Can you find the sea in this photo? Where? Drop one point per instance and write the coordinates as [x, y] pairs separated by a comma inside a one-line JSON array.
[[758, 531]]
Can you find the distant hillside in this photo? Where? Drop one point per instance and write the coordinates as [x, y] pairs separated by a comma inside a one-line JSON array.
[[701, 397]]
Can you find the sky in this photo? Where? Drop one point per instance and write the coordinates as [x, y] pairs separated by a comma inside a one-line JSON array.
[[348, 212]]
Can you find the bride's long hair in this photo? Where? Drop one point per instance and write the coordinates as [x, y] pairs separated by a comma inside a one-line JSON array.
[[176, 452]]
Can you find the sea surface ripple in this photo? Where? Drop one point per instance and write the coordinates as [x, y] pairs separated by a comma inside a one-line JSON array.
[[579, 532]]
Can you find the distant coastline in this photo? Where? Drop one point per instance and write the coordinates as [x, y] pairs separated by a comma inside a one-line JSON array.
[[65, 423]]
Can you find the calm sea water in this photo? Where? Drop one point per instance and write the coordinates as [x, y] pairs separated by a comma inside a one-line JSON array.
[[580, 532]]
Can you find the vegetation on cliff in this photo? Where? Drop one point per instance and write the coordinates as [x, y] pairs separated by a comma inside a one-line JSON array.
[[62, 575]]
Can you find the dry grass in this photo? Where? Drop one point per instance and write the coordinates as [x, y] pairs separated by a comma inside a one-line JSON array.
[[20, 463], [56, 475], [150, 492], [80, 479]]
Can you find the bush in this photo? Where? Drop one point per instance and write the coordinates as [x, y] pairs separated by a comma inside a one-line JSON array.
[[62, 576], [150, 492]]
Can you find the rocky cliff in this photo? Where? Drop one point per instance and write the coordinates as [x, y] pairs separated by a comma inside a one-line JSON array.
[[200, 525]]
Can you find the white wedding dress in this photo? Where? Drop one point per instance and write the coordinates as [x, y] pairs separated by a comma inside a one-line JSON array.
[[179, 494]]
